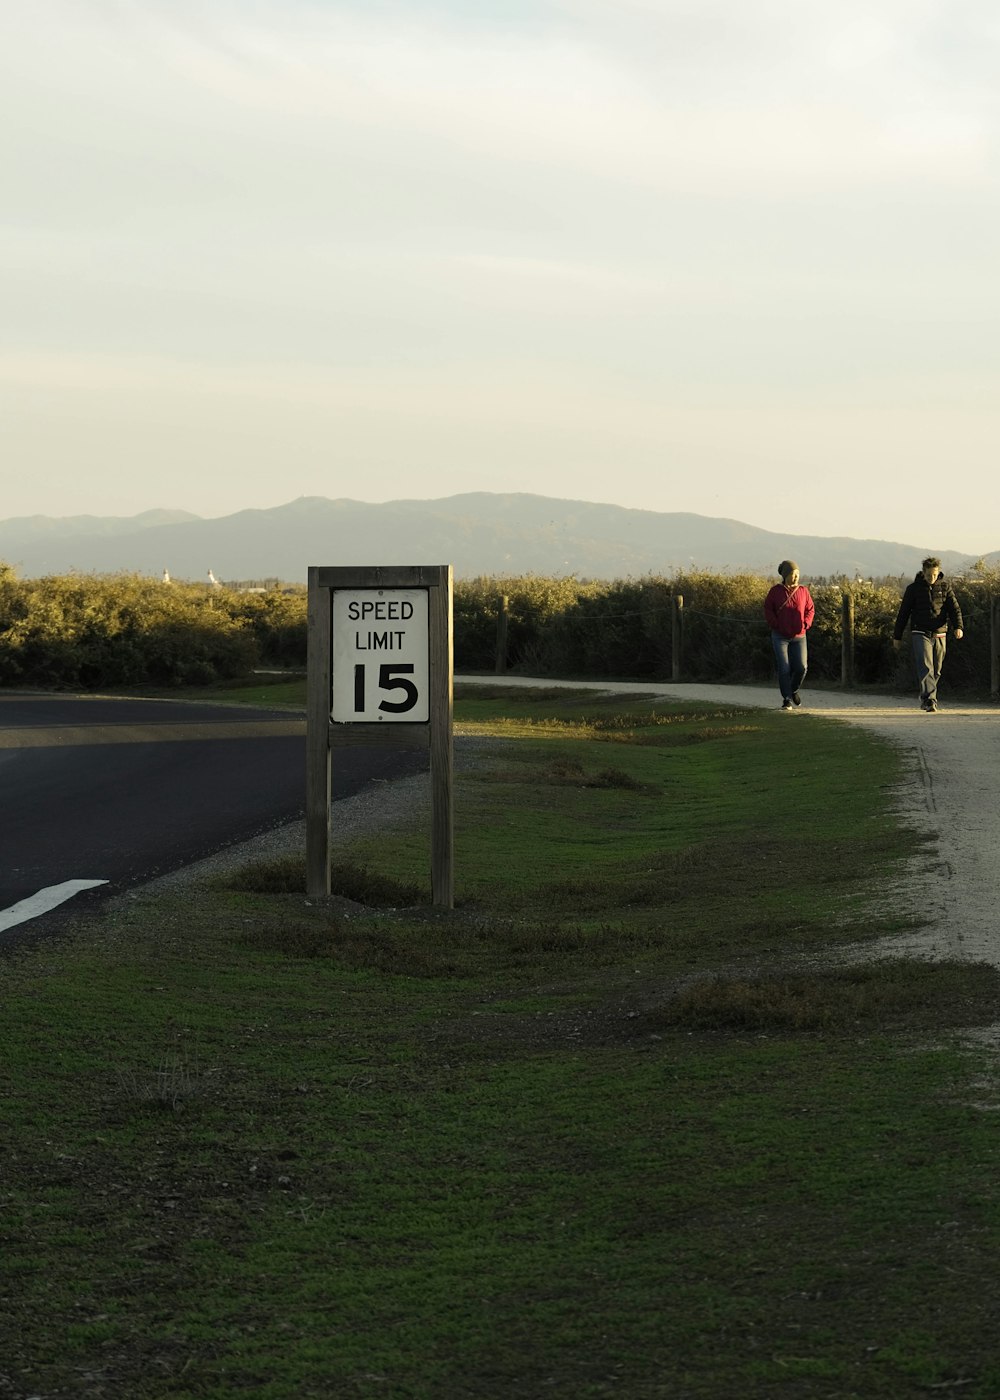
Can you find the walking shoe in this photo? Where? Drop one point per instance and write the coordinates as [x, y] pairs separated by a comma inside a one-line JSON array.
[[929, 705], [786, 704], [796, 698]]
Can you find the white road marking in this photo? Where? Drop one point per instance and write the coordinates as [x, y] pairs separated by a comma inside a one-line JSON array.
[[43, 901]]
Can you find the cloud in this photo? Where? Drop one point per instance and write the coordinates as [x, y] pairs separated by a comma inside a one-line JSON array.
[[519, 228], [676, 96]]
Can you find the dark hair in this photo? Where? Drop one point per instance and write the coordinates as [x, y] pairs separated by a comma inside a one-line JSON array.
[[931, 563]]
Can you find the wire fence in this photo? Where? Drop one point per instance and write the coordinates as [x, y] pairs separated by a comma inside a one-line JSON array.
[[675, 636]]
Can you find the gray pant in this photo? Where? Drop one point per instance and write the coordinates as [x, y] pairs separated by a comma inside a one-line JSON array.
[[928, 658]]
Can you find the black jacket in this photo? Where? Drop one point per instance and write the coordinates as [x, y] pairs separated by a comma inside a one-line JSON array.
[[928, 607]]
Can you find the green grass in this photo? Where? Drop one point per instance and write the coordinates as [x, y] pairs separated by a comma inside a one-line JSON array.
[[269, 690], [619, 1124], [718, 835]]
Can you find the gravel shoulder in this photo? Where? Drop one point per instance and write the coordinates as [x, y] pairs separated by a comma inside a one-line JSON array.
[[385, 803]]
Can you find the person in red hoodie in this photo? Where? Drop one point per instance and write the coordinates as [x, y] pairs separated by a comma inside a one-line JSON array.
[[789, 610]]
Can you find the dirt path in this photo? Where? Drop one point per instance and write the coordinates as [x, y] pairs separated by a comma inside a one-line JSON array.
[[952, 793]]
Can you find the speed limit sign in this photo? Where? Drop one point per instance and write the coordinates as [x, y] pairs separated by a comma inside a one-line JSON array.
[[380, 671], [381, 656]]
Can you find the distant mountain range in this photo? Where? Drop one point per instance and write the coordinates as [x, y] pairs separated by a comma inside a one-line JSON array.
[[478, 532]]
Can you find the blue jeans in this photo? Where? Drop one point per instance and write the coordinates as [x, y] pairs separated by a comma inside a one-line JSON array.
[[791, 656]]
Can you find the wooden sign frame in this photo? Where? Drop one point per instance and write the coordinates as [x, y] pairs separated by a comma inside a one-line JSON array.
[[322, 735]]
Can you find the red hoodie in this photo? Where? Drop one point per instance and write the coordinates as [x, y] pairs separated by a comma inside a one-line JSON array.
[[789, 611]]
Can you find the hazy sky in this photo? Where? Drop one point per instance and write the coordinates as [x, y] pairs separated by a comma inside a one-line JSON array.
[[736, 257]]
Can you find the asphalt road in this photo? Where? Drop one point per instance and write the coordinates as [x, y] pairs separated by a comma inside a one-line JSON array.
[[115, 792]]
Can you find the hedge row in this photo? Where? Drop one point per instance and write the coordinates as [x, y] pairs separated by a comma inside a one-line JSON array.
[[623, 629], [85, 631]]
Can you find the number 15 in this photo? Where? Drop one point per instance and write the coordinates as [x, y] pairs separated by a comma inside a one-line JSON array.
[[389, 678]]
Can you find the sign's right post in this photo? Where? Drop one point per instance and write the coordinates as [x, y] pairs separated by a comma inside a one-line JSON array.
[[442, 648]]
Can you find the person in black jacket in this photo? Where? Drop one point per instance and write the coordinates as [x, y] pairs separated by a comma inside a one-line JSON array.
[[929, 605]]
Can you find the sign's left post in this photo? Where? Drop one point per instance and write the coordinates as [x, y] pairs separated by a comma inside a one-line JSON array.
[[318, 783]]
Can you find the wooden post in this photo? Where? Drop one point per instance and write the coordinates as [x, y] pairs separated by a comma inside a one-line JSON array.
[[676, 636], [847, 640], [503, 613], [442, 753], [995, 648], [318, 785]]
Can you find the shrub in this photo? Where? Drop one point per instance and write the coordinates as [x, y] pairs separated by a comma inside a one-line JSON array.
[[81, 631], [532, 605], [84, 631]]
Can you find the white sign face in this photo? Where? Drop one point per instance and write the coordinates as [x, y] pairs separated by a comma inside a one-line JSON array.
[[381, 656]]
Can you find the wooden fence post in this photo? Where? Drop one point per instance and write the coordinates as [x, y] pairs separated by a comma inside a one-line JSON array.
[[847, 640], [442, 669], [995, 648], [503, 612], [318, 779], [676, 636]]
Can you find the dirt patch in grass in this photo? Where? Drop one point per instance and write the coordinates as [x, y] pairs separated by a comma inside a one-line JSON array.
[[898, 994], [571, 772], [354, 883], [904, 996]]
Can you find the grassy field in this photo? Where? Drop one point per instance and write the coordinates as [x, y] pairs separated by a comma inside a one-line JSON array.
[[621, 1124]]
